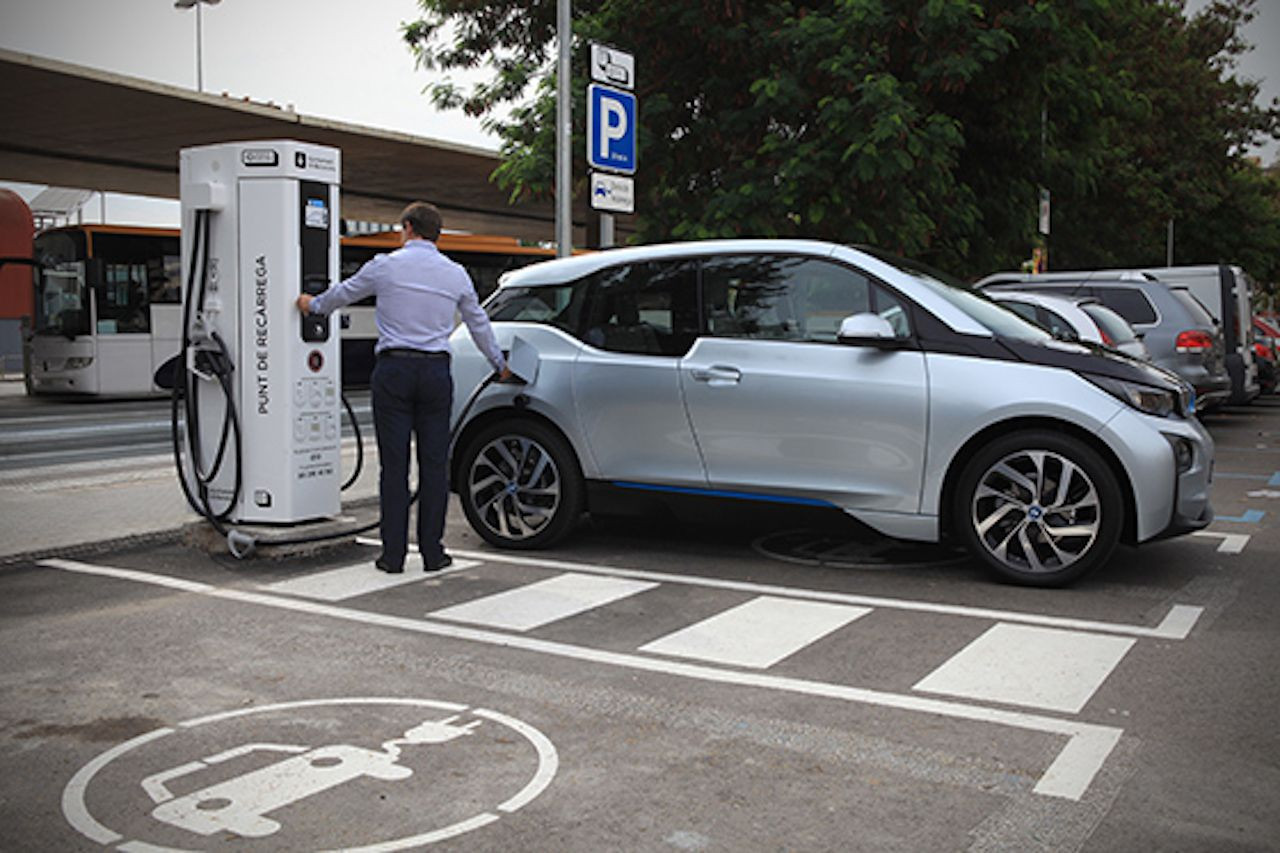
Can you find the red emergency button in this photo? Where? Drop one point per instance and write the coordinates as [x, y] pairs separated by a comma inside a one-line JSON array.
[[315, 360]]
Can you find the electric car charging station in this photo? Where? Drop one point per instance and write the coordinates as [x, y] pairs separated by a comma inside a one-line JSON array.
[[260, 382]]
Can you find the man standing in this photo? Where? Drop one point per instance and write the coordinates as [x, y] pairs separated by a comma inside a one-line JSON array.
[[418, 290]]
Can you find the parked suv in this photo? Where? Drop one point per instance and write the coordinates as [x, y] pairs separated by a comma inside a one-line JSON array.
[[1227, 293], [801, 372], [1179, 332]]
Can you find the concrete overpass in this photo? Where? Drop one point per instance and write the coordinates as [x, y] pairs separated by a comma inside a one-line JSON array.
[[72, 126]]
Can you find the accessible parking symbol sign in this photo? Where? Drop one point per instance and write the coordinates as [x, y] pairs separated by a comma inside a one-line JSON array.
[[611, 136]]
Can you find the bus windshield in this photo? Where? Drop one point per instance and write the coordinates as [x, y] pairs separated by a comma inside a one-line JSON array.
[[61, 299]]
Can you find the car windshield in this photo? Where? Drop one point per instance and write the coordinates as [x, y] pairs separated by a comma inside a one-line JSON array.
[[1000, 320]]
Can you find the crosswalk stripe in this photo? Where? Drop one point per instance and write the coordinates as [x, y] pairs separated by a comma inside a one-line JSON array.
[[1030, 666], [352, 581], [757, 633], [537, 604]]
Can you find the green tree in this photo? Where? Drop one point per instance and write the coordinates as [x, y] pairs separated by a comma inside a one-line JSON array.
[[922, 126]]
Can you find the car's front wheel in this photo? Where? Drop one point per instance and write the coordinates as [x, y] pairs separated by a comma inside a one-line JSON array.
[[521, 486], [1039, 508]]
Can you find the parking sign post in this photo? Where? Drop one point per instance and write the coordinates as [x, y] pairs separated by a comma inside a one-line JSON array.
[[611, 135]]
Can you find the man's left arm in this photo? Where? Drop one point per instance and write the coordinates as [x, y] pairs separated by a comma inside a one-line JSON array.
[[479, 327]]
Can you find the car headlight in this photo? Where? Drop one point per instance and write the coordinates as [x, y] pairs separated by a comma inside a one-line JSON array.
[[79, 362], [1144, 398]]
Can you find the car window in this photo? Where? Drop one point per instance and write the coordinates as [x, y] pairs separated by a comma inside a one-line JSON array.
[[1057, 324], [1130, 303], [1194, 306], [648, 308], [772, 297], [1022, 309], [559, 305], [1116, 327]]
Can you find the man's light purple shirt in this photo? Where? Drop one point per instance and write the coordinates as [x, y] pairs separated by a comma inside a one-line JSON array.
[[418, 291]]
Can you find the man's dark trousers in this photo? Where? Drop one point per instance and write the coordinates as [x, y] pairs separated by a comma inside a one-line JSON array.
[[412, 394]]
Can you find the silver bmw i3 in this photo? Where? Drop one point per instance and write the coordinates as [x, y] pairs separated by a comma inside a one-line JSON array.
[[812, 373]]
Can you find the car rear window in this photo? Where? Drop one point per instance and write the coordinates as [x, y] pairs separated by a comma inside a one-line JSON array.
[[1193, 305]]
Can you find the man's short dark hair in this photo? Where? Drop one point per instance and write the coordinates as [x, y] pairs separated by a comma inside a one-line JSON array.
[[424, 219]]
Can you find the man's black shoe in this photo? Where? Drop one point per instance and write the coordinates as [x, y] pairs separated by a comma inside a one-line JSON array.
[[443, 563], [387, 567]]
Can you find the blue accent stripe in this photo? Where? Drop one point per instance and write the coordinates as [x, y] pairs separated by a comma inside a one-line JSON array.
[[1252, 516], [721, 493]]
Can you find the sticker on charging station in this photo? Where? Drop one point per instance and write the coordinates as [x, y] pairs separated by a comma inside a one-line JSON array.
[[402, 773], [316, 214], [260, 157]]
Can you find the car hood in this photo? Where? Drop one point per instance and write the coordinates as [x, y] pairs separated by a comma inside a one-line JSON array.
[[1084, 357]]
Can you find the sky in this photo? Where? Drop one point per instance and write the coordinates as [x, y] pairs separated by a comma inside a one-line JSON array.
[[336, 59]]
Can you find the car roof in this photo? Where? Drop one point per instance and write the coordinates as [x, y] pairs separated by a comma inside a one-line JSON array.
[[562, 270], [1046, 300], [1065, 277]]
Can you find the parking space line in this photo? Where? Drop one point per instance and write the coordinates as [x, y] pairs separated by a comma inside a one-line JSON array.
[[1250, 516], [1068, 776], [757, 633], [1232, 543], [534, 605], [353, 581], [1035, 667], [1176, 625]]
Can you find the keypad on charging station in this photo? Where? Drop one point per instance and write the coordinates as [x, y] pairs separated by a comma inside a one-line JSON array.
[[315, 421]]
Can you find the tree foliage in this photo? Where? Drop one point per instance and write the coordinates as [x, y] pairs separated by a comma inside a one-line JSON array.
[[925, 127]]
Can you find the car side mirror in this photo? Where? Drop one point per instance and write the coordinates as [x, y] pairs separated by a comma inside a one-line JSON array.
[[868, 330]]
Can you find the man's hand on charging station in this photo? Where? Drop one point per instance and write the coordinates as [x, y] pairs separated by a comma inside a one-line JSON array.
[[505, 375], [304, 302]]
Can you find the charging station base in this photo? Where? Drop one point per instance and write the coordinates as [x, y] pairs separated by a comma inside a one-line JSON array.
[[202, 536]]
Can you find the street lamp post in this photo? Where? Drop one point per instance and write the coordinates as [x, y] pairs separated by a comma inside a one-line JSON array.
[[187, 4]]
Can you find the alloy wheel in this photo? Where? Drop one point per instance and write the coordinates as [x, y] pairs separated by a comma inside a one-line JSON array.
[[1036, 511]]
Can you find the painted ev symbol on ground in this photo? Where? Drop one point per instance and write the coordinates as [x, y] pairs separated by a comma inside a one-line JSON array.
[[219, 780]]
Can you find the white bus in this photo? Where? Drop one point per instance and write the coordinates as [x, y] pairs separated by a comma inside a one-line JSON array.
[[108, 312]]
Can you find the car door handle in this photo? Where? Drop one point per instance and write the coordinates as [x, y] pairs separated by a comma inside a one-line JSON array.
[[718, 374]]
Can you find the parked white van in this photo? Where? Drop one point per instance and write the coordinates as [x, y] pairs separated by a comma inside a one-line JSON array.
[[1227, 291]]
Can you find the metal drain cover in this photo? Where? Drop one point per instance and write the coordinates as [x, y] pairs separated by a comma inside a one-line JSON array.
[[817, 548]]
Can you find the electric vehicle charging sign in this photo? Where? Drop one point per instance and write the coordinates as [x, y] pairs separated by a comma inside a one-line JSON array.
[[380, 773]]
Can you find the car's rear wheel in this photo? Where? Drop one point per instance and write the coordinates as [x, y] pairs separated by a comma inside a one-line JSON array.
[[521, 486], [1039, 508]]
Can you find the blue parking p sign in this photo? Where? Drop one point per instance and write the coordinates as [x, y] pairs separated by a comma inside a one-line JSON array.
[[611, 129]]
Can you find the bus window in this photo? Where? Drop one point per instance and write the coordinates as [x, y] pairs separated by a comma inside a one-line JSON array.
[[61, 302], [122, 299], [61, 307], [164, 278]]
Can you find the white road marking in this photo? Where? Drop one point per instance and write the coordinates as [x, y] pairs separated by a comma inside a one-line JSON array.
[[352, 581], [757, 633], [1176, 625], [1068, 776], [1034, 667], [527, 607], [1232, 543]]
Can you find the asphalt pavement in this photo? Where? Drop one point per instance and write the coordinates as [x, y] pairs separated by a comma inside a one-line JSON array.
[[121, 499], [771, 682]]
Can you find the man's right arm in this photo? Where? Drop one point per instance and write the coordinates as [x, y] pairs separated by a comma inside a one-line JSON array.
[[344, 292]]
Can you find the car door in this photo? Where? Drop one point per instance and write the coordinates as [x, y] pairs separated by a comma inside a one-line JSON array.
[[780, 408], [638, 319]]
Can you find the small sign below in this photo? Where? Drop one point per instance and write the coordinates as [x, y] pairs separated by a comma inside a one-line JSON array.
[[613, 193]]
